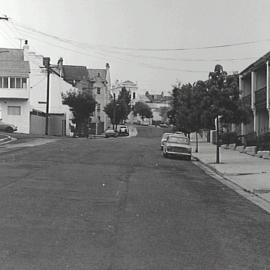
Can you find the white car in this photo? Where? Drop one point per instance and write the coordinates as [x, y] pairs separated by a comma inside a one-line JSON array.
[[164, 139], [7, 127], [178, 146]]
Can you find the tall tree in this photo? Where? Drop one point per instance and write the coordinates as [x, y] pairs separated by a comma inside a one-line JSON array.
[[224, 98], [82, 104], [125, 96], [117, 111]]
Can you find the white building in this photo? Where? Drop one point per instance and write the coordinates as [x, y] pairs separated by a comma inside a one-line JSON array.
[[23, 93], [130, 86], [14, 89]]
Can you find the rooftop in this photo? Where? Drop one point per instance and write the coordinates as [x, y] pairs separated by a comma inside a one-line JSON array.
[[262, 60], [95, 73], [12, 63], [74, 73]]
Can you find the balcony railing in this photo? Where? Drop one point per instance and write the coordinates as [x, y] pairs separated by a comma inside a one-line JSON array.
[[247, 100], [14, 93], [260, 99]]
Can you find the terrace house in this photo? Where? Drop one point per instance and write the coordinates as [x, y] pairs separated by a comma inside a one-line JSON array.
[[255, 91]]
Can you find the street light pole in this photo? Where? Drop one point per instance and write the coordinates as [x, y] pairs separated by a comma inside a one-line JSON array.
[[217, 137]]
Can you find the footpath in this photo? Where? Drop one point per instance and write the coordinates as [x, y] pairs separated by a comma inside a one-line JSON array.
[[251, 173]]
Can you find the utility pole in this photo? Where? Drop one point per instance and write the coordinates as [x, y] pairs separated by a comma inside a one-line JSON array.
[[46, 63]]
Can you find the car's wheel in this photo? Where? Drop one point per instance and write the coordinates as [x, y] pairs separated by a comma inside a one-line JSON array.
[[165, 154], [188, 158], [9, 129]]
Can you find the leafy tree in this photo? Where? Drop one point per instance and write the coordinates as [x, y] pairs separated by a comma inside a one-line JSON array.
[[224, 98], [142, 109], [82, 104], [117, 111], [125, 96]]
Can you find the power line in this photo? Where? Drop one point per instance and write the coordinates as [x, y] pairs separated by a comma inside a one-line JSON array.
[[33, 32], [236, 44]]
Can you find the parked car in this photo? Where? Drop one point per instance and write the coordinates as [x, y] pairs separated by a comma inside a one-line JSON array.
[[178, 146], [7, 127], [110, 133], [164, 139], [179, 133], [123, 130], [163, 125], [144, 124]]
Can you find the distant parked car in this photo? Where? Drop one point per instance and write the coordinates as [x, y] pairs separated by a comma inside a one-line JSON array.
[[144, 124], [123, 130], [7, 127], [163, 125], [178, 146], [110, 133], [164, 139], [179, 133]]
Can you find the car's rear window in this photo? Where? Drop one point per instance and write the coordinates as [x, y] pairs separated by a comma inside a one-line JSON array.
[[174, 139]]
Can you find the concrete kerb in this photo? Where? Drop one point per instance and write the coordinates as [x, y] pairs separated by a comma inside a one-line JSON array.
[[251, 196]]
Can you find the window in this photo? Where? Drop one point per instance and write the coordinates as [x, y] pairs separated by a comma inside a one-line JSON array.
[[18, 82], [12, 82], [5, 82], [134, 95], [98, 90], [24, 82], [98, 107], [14, 110]]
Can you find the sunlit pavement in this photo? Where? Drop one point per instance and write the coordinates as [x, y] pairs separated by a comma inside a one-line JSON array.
[[249, 172]]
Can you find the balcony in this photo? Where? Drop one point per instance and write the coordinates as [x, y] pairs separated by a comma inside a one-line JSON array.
[[14, 93], [260, 99], [247, 100]]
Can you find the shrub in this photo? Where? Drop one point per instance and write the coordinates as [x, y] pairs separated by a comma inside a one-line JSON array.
[[229, 137]]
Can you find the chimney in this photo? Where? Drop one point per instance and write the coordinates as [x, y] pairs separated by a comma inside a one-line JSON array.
[[26, 50], [60, 66], [108, 76]]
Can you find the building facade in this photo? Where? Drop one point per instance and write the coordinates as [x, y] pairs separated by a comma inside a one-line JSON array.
[[14, 89], [101, 89], [59, 114], [255, 92], [23, 93]]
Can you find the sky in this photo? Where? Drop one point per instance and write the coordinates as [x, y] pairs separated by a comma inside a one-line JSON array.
[[156, 43]]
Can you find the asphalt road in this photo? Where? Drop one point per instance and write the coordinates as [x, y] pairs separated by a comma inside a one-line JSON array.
[[117, 204]]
